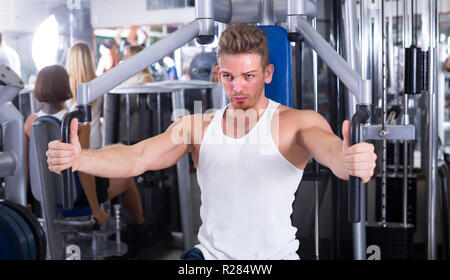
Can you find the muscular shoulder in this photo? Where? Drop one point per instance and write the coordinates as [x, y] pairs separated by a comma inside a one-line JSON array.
[[301, 119], [197, 121], [297, 123], [192, 127]]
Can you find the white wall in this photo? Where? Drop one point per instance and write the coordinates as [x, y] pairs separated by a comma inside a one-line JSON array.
[[116, 13], [20, 15]]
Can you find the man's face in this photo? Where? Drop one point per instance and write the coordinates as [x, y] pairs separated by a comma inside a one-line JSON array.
[[243, 77]]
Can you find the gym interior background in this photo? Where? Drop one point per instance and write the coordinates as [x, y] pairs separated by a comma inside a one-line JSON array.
[[401, 46]]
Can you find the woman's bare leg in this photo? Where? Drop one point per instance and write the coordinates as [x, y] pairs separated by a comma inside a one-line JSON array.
[[130, 195]]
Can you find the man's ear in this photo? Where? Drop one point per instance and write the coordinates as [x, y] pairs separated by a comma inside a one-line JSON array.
[[219, 77], [268, 73]]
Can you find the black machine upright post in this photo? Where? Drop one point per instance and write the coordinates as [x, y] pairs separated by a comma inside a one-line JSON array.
[[84, 115]]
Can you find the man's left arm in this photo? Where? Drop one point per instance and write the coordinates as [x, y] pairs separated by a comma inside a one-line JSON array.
[[329, 150]]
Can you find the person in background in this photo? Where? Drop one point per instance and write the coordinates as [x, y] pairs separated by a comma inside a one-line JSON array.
[[109, 56], [81, 69], [186, 75], [53, 90], [131, 132], [142, 77], [132, 38], [9, 57], [213, 76], [170, 68], [447, 64]]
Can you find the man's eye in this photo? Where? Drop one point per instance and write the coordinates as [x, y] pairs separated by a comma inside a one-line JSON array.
[[249, 76], [226, 76]]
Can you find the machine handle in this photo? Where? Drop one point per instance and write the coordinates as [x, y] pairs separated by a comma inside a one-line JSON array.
[[83, 114], [361, 116]]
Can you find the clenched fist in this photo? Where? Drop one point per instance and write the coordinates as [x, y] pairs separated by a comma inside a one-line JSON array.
[[61, 156], [359, 159]]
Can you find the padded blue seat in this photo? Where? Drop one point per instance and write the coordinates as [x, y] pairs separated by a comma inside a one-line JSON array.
[[280, 89]]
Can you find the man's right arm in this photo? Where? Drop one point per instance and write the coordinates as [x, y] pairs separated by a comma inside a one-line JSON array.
[[120, 161]]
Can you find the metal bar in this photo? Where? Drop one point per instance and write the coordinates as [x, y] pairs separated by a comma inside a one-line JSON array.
[[407, 23], [383, 182], [316, 220], [267, 13], [7, 164], [117, 213], [127, 118], [351, 79], [281, 7], [383, 66], [111, 113], [350, 35], [351, 44], [405, 164], [11, 121], [89, 222], [67, 192], [432, 132], [383, 115], [396, 156], [159, 131], [394, 132], [158, 113], [184, 183], [222, 10], [297, 71], [413, 31], [397, 32], [390, 48], [55, 246], [364, 33], [356, 196], [87, 92], [316, 164], [10, 84], [441, 96], [336, 120]]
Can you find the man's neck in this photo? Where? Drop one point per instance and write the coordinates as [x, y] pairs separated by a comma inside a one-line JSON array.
[[249, 115]]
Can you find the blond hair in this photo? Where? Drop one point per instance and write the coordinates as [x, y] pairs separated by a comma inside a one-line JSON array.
[[134, 49], [80, 66]]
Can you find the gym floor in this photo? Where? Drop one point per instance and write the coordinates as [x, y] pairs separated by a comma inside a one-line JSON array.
[[164, 246], [153, 246]]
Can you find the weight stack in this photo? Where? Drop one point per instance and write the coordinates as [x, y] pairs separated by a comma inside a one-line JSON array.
[[394, 240], [394, 200]]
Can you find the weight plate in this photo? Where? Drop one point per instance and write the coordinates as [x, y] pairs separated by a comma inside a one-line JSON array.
[[35, 226], [31, 242], [13, 242]]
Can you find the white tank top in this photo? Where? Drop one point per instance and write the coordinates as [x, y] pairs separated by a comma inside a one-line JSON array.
[[247, 190]]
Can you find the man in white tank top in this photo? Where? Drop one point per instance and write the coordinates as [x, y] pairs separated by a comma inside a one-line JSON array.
[[249, 156]]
